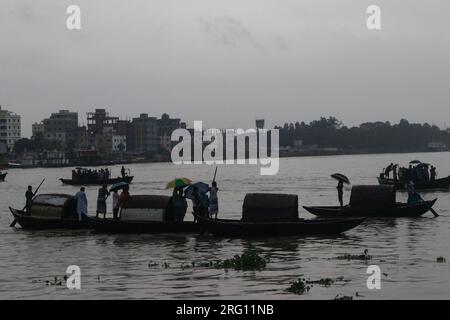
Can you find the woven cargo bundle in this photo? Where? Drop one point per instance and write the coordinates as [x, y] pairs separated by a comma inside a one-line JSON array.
[[270, 207], [148, 201], [372, 196]]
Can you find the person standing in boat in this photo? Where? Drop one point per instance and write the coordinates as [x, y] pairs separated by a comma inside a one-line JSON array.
[[340, 189], [82, 203], [101, 201], [433, 173], [122, 172], [29, 198], [213, 200], [124, 196], [115, 204]]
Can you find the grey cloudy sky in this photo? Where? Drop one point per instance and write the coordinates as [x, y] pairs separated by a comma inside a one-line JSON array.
[[228, 62]]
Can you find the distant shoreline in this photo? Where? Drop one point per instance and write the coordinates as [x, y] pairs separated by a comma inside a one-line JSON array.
[[283, 155]]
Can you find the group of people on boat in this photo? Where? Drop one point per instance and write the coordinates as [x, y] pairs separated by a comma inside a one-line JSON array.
[[117, 201], [203, 205], [90, 174], [419, 172]]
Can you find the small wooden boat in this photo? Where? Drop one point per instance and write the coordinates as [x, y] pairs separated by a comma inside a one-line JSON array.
[[266, 214], [145, 214], [2, 176], [438, 184], [238, 228], [80, 182], [50, 211], [373, 201], [398, 210]]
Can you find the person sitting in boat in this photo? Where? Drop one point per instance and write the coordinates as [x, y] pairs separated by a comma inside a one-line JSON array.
[[29, 199], [200, 203], [340, 189], [124, 196], [101, 200], [82, 203], [213, 200], [413, 196]]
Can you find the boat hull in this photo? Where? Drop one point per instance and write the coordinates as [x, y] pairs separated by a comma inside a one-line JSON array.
[[438, 184], [34, 223], [236, 228], [118, 226], [401, 210], [85, 182], [2, 176]]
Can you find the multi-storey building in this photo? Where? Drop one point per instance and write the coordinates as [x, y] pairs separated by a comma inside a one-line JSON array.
[[10, 128], [61, 126], [143, 136], [166, 126]]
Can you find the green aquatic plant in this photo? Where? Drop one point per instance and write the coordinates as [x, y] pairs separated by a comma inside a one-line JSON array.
[[364, 257], [339, 297], [300, 286], [249, 260]]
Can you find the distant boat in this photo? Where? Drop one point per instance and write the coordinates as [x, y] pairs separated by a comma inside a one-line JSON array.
[[86, 181], [437, 184]]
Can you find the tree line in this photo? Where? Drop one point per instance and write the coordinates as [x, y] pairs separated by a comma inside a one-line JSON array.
[[373, 136]]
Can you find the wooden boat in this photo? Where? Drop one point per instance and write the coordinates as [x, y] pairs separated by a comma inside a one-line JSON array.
[[266, 214], [398, 210], [438, 184], [373, 201], [79, 182], [2, 176], [238, 228], [145, 214], [118, 226], [50, 211]]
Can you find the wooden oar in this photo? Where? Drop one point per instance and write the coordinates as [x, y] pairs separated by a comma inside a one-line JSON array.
[[34, 194], [215, 173], [431, 209]]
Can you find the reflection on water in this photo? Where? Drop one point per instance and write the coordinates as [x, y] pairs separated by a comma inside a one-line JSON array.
[[167, 266]]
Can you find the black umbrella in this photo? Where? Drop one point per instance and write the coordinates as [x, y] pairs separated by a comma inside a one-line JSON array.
[[340, 177], [118, 186]]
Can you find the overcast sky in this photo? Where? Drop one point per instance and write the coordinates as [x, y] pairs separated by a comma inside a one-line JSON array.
[[227, 62]]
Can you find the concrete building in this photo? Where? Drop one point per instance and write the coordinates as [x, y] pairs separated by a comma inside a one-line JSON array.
[[143, 136], [10, 128], [119, 143], [97, 121], [166, 126], [61, 127]]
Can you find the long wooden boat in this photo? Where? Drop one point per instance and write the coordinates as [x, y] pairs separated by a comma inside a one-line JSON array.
[[50, 211], [80, 182], [438, 184], [2, 176], [398, 210], [238, 228], [27, 221], [118, 226]]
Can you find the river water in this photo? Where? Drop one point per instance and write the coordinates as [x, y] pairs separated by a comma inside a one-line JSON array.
[[154, 266]]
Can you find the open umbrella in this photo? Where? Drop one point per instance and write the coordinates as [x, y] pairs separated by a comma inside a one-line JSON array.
[[118, 186], [200, 187], [415, 162], [180, 182], [340, 177]]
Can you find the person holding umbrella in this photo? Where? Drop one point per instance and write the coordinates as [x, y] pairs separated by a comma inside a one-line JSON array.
[[340, 187]]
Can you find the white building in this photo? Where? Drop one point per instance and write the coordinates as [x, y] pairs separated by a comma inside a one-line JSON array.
[[10, 128], [119, 143]]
